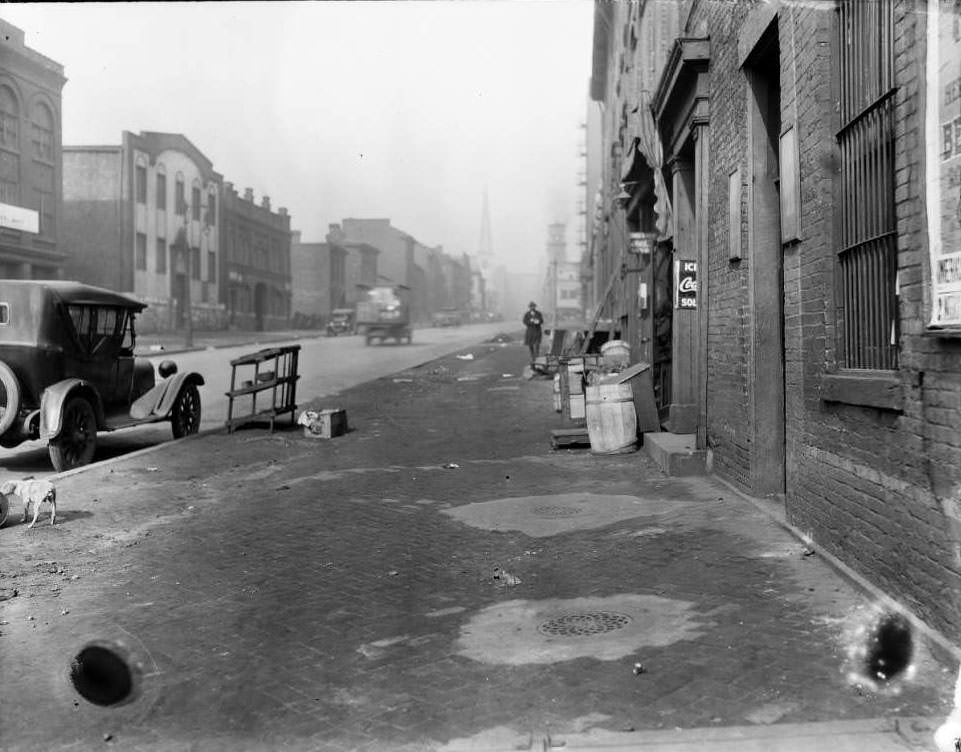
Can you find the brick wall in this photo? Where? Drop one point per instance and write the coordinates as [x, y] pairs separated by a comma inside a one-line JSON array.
[[879, 488]]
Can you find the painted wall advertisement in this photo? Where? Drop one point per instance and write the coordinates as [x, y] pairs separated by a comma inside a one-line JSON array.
[[943, 160], [685, 284]]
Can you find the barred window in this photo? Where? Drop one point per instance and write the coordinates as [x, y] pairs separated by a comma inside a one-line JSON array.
[[868, 241]]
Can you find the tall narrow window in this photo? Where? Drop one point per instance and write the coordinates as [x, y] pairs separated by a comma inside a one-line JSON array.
[[161, 191], [9, 120], [141, 258], [180, 201], [195, 263], [42, 132], [141, 187], [160, 262], [9, 147], [211, 266], [195, 203], [868, 248], [211, 209]]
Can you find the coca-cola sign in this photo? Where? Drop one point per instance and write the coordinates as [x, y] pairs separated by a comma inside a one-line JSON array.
[[685, 287]]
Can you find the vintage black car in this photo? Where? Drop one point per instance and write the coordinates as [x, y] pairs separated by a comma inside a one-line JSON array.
[[341, 322], [67, 370]]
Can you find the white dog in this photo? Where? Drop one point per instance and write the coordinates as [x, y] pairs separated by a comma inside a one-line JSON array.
[[32, 493]]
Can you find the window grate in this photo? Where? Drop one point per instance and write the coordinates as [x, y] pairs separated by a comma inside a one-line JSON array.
[[868, 255]]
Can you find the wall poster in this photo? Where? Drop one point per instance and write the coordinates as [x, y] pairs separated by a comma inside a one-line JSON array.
[[943, 160]]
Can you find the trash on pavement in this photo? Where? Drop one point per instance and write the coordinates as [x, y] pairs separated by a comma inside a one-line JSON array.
[[639, 668], [64, 612], [469, 356], [807, 552], [506, 578], [507, 375], [323, 424], [392, 573], [152, 469], [403, 381], [450, 466]]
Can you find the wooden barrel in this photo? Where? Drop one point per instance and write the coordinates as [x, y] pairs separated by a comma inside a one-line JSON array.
[[611, 420], [616, 353]]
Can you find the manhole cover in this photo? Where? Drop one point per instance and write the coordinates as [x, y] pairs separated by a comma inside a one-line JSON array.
[[557, 511], [584, 625]]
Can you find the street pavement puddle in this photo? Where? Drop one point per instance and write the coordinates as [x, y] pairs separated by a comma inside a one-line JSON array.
[[544, 516], [520, 632]]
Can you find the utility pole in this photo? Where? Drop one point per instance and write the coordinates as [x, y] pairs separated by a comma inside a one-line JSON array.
[[188, 269]]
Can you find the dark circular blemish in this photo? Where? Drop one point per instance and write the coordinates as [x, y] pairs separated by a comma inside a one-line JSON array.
[[890, 648], [102, 675]]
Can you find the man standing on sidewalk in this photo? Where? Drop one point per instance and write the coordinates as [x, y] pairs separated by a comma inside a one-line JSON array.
[[533, 320]]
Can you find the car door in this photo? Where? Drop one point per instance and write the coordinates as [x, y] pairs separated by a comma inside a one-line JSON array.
[[98, 344]]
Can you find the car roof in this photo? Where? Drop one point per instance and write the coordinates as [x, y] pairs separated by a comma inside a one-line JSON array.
[[77, 292]]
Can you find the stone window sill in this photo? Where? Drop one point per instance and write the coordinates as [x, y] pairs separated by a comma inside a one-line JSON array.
[[880, 389]]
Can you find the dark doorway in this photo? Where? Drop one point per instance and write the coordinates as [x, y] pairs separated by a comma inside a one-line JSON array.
[[766, 266]]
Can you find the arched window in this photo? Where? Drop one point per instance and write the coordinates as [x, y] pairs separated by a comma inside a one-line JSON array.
[[42, 132], [9, 119]]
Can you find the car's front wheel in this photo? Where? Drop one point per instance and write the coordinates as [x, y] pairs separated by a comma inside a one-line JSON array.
[[77, 441], [185, 417]]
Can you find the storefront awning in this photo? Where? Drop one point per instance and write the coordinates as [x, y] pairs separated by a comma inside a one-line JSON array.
[[644, 141]]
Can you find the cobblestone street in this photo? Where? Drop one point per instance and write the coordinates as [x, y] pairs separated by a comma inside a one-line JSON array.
[[283, 592]]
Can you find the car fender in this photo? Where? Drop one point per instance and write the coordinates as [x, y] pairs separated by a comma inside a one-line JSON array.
[[56, 395], [175, 383]]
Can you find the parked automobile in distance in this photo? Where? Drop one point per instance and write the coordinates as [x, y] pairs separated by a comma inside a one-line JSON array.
[[68, 371], [341, 322], [447, 317]]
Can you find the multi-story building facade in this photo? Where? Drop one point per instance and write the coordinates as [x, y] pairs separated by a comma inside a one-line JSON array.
[[144, 217], [403, 260], [257, 257], [562, 283], [319, 280], [790, 174], [360, 265], [31, 160]]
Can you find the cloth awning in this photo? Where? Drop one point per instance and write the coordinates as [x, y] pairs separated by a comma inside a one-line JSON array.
[[644, 139]]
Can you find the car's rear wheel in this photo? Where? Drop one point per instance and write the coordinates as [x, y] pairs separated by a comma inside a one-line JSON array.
[[9, 397], [4, 509], [185, 417], [77, 442]]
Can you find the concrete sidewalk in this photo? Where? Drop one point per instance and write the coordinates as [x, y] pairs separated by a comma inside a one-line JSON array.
[[175, 342], [437, 579]]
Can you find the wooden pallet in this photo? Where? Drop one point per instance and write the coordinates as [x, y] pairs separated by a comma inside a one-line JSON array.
[[562, 438]]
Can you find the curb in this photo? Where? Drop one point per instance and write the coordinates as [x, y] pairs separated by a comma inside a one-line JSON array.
[[222, 428], [847, 572]]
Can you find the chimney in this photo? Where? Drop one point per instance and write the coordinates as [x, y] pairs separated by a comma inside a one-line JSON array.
[[265, 202], [335, 234], [249, 194], [295, 236], [282, 211]]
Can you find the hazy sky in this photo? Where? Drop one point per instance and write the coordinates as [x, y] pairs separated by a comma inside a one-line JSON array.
[[400, 109]]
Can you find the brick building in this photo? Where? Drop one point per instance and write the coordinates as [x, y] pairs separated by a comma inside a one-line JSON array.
[[360, 265], [403, 260], [257, 275], [144, 217], [785, 178], [318, 274], [31, 160]]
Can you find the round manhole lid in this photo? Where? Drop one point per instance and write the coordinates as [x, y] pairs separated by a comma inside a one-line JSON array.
[[584, 625], [553, 510]]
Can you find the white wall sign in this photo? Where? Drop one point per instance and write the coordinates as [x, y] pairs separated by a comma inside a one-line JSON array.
[[18, 218], [943, 161]]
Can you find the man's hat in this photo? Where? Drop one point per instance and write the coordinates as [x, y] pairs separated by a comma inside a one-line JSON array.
[[532, 304]]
